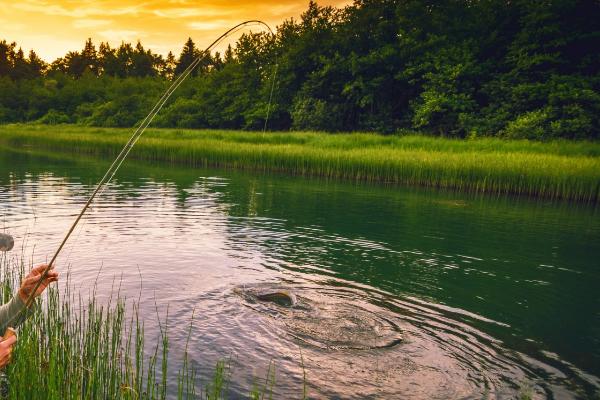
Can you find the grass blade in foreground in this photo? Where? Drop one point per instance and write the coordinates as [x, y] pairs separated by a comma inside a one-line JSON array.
[[71, 348]]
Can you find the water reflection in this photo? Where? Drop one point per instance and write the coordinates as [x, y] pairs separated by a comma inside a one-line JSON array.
[[406, 293]]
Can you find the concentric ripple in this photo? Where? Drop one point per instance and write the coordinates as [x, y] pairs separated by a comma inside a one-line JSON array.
[[326, 321], [414, 348]]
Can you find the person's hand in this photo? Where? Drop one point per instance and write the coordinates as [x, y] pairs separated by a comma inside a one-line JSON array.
[[32, 279], [6, 350]]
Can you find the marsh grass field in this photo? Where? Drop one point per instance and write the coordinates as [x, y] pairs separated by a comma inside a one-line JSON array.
[[556, 169]]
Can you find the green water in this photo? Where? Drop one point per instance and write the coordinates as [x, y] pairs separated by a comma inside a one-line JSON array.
[[490, 293]]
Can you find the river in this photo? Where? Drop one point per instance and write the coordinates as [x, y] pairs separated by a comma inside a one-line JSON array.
[[402, 292]]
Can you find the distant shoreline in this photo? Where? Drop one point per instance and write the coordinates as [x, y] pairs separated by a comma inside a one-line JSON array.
[[558, 169]]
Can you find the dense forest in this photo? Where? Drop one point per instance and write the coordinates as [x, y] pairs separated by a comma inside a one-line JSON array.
[[516, 69]]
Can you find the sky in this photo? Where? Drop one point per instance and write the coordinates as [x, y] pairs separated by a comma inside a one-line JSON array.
[[52, 28]]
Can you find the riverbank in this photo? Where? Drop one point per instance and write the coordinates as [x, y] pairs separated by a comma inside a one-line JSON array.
[[559, 169]]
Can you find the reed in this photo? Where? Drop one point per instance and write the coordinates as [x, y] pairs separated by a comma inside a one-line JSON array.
[[559, 169], [71, 348]]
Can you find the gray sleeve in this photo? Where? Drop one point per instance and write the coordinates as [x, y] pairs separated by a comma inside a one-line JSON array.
[[9, 312]]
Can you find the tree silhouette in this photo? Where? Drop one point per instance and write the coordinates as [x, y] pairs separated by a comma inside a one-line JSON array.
[[89, 57], [188, 55]]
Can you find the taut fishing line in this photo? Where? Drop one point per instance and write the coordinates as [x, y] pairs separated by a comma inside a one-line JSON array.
[[116, 164], [231, 32]]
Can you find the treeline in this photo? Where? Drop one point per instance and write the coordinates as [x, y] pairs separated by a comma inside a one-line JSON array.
[[520, 69]]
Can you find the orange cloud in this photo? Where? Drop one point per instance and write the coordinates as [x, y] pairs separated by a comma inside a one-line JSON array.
[[54, 27], [90, 23]]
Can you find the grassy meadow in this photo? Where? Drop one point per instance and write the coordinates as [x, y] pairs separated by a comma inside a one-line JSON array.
[[556, 169]]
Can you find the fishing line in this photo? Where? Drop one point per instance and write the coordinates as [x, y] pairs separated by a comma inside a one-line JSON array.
[[271, 93], [116, 164], [171, 89], [178, 82]]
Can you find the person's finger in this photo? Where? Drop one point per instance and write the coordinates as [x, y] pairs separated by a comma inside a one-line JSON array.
[[8, 342], [47, 283], [39, 269], [53, 276], [30, 279]]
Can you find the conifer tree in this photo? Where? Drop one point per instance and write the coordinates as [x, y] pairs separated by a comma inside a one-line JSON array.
[[89, 57], [37, 66], [169, 66], [188, 55]]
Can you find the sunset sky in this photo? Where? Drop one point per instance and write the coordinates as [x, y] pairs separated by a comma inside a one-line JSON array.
[[52, 28]]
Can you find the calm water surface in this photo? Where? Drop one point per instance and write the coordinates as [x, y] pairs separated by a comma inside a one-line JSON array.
[[402, 293]]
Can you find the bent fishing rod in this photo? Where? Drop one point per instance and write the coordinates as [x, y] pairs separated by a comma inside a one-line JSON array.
[[116, 164]]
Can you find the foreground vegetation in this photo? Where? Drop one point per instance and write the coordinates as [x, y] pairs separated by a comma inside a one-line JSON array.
[[518, 69], [72, 348], [558, 169]]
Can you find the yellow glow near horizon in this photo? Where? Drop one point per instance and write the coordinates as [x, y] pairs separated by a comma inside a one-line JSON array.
[[52, 28]]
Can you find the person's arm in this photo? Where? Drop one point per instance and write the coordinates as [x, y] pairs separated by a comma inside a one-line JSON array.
[[9, 312], [12, 313]]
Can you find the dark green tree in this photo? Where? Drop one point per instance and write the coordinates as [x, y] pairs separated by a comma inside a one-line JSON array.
[[7, 57], [37, 66], [187, 56], [107, 60], [89, 57]]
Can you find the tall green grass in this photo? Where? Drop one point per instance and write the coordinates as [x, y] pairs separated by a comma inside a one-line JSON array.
[[560, 169], [71, 348]]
